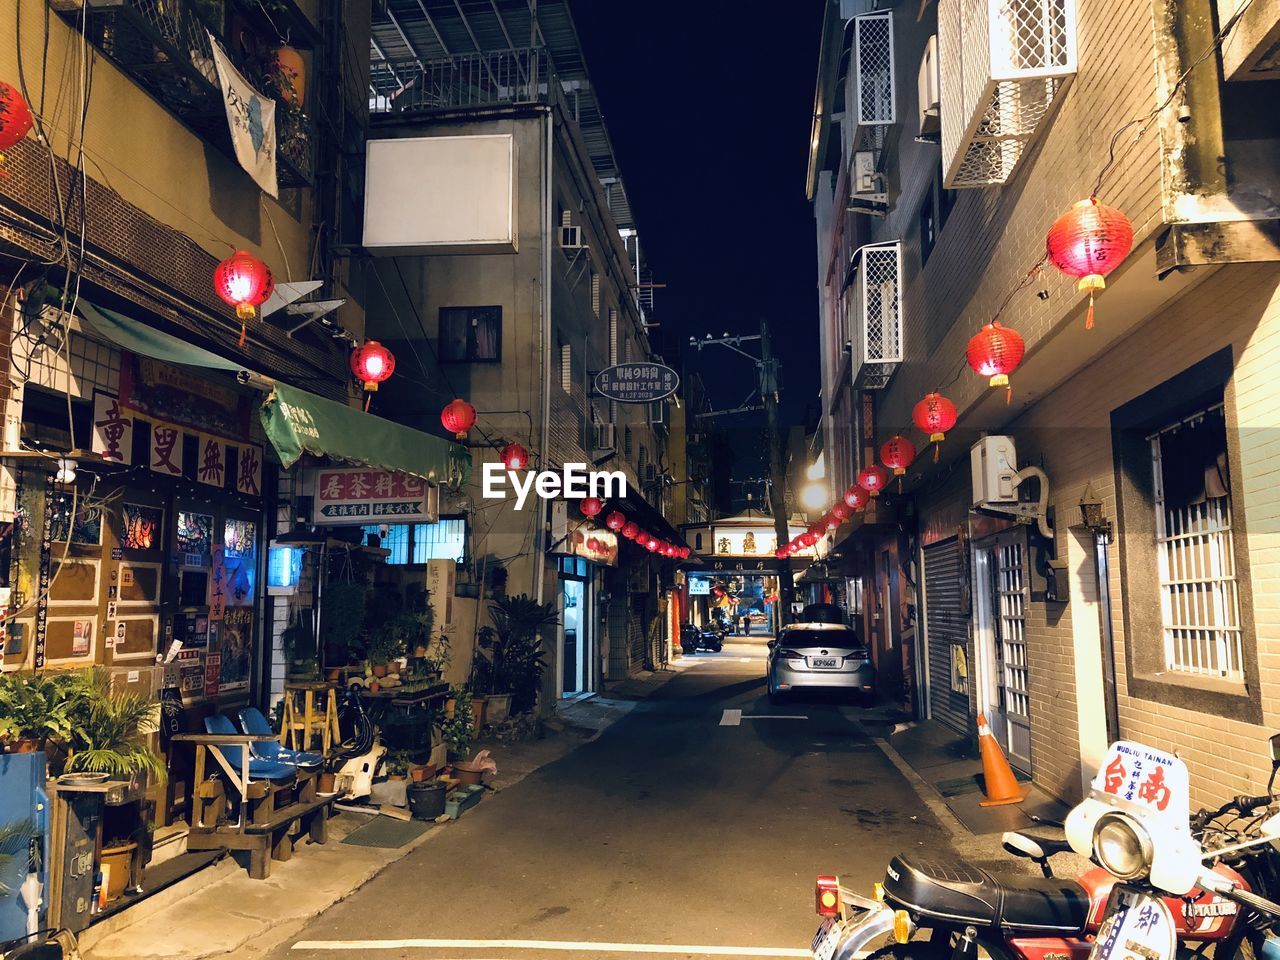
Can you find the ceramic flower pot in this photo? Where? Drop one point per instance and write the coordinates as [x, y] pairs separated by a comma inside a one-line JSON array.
[[116, 861], [379, 669]]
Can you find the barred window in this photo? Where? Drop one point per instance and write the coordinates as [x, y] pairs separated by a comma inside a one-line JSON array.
[[1199, 597]]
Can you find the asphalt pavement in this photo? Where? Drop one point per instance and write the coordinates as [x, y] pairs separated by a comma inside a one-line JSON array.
[[693, 827]]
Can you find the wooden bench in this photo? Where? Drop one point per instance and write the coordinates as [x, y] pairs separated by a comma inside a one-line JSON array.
[[270, 814]]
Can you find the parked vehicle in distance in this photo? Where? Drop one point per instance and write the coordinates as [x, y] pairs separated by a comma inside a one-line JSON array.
[[694, 639], [821, 613], [818, 656]]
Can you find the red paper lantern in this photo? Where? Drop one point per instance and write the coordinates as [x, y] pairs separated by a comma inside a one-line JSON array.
[[1088, 242], [244, 282], [898, 453], [591, 506], [630, 530], [515, 456], [995, 351], [782, 553], [841, 511], [856, 497], [808, 538], [935, 415], [651, 543], [372, 363], [873, 479], [616, 520], [458, 417], [831, 521], [593, 544], [15, 116]]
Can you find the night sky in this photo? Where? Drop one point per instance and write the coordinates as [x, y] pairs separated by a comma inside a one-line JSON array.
[[709, 108]]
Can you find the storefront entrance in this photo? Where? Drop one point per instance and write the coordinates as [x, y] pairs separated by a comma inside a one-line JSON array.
[[577, 628], [1000, 618]]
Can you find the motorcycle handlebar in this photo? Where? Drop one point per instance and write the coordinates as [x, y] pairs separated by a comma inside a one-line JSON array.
[[1241, 803], [1252, 900]]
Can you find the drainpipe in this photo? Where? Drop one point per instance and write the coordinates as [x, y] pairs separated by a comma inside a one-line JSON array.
[[1102, 569], [544, 432]]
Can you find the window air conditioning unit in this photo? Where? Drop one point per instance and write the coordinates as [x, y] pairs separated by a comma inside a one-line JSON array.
[[869, 188], [993, 462], [606, 437], [929, 89], [1003, 66], [571, 238]]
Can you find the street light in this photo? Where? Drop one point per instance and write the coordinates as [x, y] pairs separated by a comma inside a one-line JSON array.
[[815, 496], [1091, 514]]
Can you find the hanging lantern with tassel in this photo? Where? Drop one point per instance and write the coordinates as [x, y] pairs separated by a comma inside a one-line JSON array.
[[898, 453], [856, 497], [1088, 242], [873, 479], [630, 530], [458, 417], [15, 117], [591, 506], [515, 456], [616, 520], [995, 352], [935, 415], [841, 511], [372, 363], [244, 282]]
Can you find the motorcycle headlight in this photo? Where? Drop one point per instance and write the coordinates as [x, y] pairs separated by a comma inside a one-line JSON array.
[[1122, 846]]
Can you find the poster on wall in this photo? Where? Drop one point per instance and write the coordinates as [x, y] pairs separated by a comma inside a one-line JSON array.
[[212, 667], [81, 638], [240, 561], [234, 644], [218, 585], [192, 679]]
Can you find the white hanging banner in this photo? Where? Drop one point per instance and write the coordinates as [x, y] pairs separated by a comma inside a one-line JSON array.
[[252, 119], [211, 462], [112, 429], [166, 449]]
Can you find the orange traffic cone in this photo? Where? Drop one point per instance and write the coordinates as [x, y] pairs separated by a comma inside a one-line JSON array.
[[997, 778]]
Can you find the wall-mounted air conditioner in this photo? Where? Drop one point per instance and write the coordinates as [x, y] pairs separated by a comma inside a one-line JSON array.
[[868, 183], [929, 90], [606, 437], [993, 463], [1003, 65], [571, 238]]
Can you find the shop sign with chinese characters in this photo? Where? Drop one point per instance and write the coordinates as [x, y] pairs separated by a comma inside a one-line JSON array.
[[360, 496]]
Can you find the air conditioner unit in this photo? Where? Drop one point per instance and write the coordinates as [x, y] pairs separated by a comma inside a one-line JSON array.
[[993, 462], [571, 238], [868, 182], [606, 437], [929, 89]]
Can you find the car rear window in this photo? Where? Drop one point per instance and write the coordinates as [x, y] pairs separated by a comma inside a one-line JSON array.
[[842, 639]]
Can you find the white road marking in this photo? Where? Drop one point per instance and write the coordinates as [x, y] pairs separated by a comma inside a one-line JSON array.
[[567, 946], [734, 718]]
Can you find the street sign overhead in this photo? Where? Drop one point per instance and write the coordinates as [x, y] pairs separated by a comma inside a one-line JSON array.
[[637, 382]]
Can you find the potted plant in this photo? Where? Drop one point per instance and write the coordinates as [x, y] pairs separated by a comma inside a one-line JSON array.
[[116, 863], [513, 649], [37, 708], [386, 645], [342, 610], [299, 645], [398, 764], [108, 730], [457, 729]]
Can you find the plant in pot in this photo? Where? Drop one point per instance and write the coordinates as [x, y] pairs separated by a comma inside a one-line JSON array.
[[38, 708], [342, 610], [386, 645], [398, 764], [457, 729], [107, 735], [116, 861], [298, 642], [514, 649]]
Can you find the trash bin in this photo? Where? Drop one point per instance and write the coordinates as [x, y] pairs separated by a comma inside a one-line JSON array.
[[426, 799]]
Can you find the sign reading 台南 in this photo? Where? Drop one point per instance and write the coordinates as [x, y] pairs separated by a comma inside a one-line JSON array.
[[637, 382], [357, 496]]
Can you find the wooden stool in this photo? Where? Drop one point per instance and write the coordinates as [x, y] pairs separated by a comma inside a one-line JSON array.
[[307, 720]]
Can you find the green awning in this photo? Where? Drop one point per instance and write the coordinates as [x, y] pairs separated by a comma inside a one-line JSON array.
[[298, 422], [147, 341]]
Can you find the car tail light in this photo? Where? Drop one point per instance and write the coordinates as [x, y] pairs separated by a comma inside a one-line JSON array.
[[827, 897], [791, 655]]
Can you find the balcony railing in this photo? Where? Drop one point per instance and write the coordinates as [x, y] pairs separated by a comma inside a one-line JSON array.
[[459, 83], [164, 45]]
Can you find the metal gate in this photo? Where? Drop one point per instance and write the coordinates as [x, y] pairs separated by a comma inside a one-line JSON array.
[[1006, 584], [946, 635]]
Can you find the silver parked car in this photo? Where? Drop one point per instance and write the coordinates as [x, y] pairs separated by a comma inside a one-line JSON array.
[[818, 656]]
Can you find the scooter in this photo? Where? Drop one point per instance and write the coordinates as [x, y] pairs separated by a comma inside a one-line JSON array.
[[953, 910]]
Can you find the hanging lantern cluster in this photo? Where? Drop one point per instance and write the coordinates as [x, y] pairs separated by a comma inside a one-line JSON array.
[[15, 117], [458, 417], [617, 521], [244, 282], [372, 363], [1088, 242]]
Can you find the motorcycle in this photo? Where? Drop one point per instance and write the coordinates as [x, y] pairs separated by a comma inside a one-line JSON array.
[[952, 910]]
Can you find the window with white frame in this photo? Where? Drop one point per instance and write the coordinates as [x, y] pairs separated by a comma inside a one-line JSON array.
[[1199, 595]]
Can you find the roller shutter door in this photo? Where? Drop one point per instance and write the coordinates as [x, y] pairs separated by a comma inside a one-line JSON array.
[[945, 626]]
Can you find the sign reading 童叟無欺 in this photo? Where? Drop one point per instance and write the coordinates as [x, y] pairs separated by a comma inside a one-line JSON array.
[[637, 382]]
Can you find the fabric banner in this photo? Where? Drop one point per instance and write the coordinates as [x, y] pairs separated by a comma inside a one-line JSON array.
[[166, 449], [252, 119], [112, 429]]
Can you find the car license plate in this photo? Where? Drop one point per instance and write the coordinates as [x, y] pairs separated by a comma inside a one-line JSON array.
[[827, 939], [1136, 925], [827, 663]]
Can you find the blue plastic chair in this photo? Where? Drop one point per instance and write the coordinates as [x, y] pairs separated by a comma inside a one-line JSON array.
[[258, 769], [252, 721]]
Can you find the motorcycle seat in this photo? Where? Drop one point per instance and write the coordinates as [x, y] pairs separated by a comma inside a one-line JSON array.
[[963, 893]]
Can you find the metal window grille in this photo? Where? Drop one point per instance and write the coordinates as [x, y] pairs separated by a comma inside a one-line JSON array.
[[1003, 65], [873, 36], [445, 540], [566, 367], [878, 298], [1011, 609], [613, 358], [595, 293], [396, 539], [1199, 596]]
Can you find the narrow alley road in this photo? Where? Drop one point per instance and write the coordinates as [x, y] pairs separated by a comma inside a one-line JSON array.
[[683, 826]]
